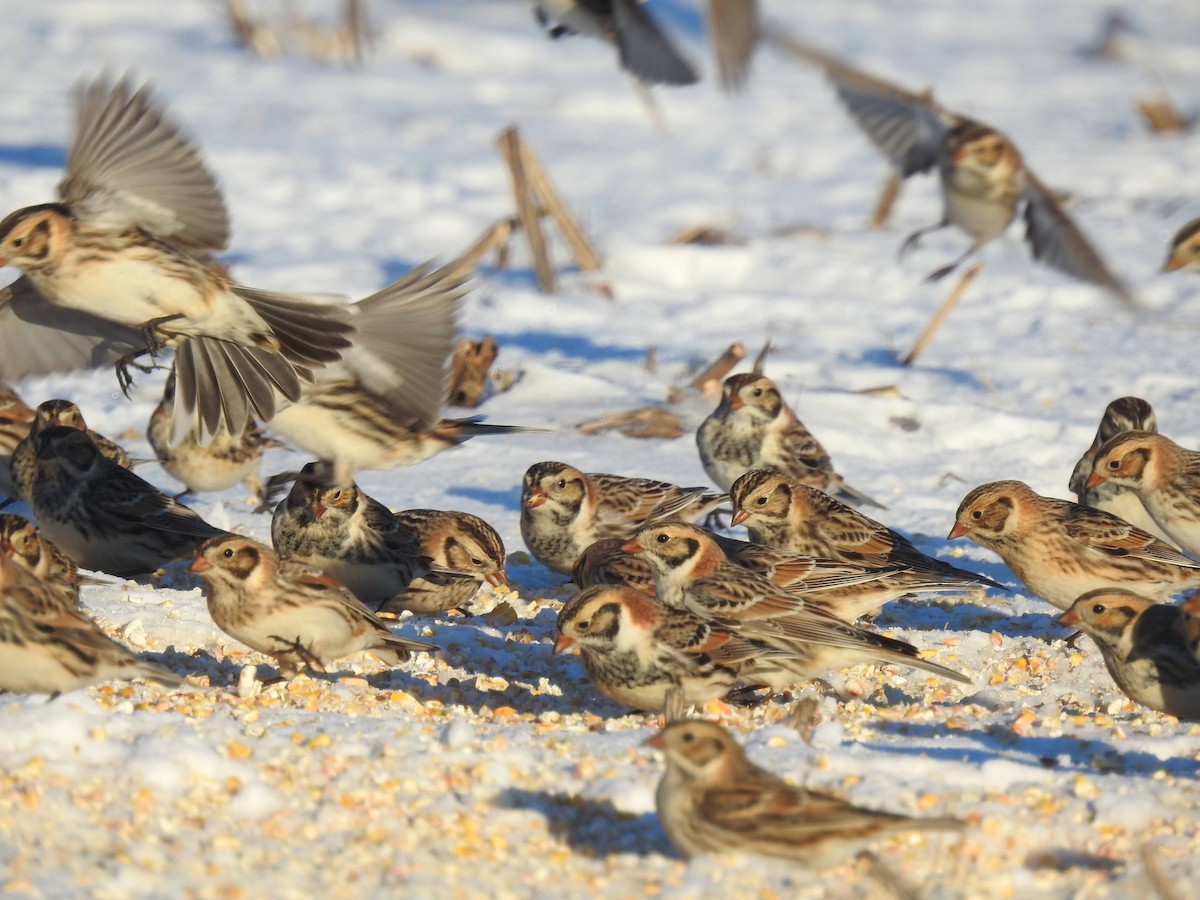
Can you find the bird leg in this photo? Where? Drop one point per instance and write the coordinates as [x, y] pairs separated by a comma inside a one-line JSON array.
[[302, 653], [939, 274], [128, 361], [886, 877], [150, 332], [910, 242]]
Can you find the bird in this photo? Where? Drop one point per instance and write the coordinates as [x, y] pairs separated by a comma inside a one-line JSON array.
[[16, 418], [643, 48], [753, 428], [712, 799], [1190, 610], [48, 649], [105, 517], [380, 405], [637, 651], [1060, 550], [983, 177], [290, 611], [1185, 249], [1164, 476], [783, 513], [693, 573], [1123, 414], [564, 510], [1144, 646], [225, 460], [24, 544], [458, 553], [347, 534], [23, 463], [137, 209], [733, 31], [604, 562]]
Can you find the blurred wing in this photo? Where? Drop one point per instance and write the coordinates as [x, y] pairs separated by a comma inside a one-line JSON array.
[[404, 339], [39, 338], [645, 51], [1058, 242], [907, 128], [733, 31], [129, 165]]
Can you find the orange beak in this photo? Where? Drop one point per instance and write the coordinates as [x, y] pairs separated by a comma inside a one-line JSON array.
[[535, 499], [563, 643], [736, 402], [1174, 261], [1070, 617], [1096, 479], [632, 547], [1192, 605], [200, 564], [656, 741], [318, 509], [957, 531], [496, 579], [740, 516]]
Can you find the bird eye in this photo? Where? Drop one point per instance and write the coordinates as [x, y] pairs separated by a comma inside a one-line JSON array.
[[662, 538], [761, 501], [1098, 608], [17, 242], [228, 554], [758, 392], [1114, 464], [476, 561], [336, 495], [583, 626], [561, 483], [688, 737], [978, 514]]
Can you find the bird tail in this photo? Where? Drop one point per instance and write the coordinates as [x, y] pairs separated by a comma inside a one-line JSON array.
[[645, 51], [393, 649], [149, 671]]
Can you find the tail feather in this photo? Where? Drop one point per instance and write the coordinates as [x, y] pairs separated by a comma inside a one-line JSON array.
[[149, 671], [394, 649], [909, 657], [850, 494], [308, 333]]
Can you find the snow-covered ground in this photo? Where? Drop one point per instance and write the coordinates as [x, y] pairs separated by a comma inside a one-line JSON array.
[[496, 770]]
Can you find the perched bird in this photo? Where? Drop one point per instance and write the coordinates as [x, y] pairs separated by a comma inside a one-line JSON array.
[[1165, 477], [50, 413], [712, 799], [137, 208], [564, 511], [347, 534], [753, 428], [605, 562], [458, 553], [380, 405], [1185, 250], [637, 651], [104, 517], [781, 512], [644, 49], [217, 465], [1123, 414], [1144, 646], [24, 544], [292, 612], [15, 421], [1060, 550], [48, 649], [693, 573], [733, 31], [983, 178]]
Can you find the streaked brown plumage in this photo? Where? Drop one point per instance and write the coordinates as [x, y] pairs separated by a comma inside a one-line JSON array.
[[712, 799], [15, 421], [564, 511], [25, 545], [1060, 550], [50, 413], [1184, 252]]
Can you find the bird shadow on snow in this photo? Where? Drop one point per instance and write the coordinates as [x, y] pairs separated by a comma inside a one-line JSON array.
[[509, 498], [592, 828], [1039, 753], [574, 345], [956, 616], [889, 358], [43, 156]]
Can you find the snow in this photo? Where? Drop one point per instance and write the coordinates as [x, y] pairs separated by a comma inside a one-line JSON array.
[[496, 770]]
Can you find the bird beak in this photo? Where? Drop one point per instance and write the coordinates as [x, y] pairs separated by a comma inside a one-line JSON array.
[[1174, 261], [496, 579], [1070, 617], [736, 402], [6, 546], [740, 516], [200, 564], [563, 643], [957, 531], [655, 741], [1192, 605], [1095, 480], [535, 499], [632, 547], [318, 510]]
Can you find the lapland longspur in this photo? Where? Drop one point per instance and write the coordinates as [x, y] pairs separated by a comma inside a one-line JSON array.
[[24, 544], [50, 413], [1185, 249], [15, 421]]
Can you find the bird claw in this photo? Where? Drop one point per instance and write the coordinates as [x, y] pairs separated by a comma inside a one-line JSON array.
[[939, 274], [127, 362], [303, 653]]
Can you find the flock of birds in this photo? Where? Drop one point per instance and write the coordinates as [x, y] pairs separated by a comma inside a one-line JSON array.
[[669, 614]]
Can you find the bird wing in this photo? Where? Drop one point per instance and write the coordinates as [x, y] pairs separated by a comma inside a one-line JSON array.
[[130, 166], [1057, 241], [645, 50], [733, 32], [1100, 531], [40, 338], [907, 128], [130, 498]]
